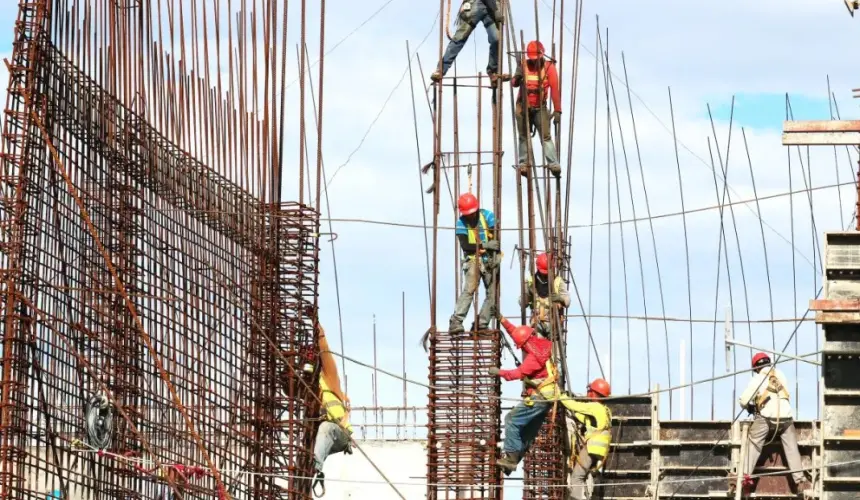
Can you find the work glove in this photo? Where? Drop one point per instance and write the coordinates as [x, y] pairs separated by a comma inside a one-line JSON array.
[[556, 117], [499, 16], [556, 298], [494, 371], [493, 245]]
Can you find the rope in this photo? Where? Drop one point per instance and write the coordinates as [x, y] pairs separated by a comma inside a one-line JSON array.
[[98, 419]]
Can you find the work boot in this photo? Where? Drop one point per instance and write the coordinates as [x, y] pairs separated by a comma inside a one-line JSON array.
[[555, 168], [524, 169], [508, 463], [804, 487], [436, 76], [455, 326]]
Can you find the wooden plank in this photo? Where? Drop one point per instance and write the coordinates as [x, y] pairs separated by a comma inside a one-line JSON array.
[[820, 138], [834, 305], [821, 126]]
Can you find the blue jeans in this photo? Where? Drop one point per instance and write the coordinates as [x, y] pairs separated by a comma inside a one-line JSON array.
[[331, 439], [522, 425], [478, 14]]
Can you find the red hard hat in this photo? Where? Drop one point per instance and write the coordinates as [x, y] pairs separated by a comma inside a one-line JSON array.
[[534, 50], [542, 263], [468, 204], [760, 359], [600, 387], [521, 334]]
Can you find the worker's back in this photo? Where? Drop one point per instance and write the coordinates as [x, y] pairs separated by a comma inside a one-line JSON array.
[[778, 405]]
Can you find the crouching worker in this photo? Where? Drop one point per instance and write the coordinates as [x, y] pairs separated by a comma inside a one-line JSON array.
[[524, 421], [334, 434], [589, 425]]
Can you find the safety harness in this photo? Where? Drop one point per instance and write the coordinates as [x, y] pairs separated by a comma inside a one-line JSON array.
[[774, 388], [543, 305], [597, 434], [472, 232]]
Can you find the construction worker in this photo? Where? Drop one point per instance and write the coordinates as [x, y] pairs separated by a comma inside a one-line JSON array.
[[524, 421], [471, 13], [541, 79], [334, 434], [589, 425], [767, 398], [541, 305], [473, 227]]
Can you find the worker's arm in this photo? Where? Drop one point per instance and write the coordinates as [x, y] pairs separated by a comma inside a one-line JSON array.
[[562, 296], [529, 367], [555, 91], [748, 396], [518, 75], [529, 294]]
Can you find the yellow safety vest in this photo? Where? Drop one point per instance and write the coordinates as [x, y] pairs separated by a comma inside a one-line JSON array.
[[774, 387], [597, 420], [542, 305], [335, 411], [473, 231]]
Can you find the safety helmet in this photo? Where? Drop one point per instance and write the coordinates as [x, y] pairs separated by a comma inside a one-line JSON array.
[[760, 359], [534, 50], [467, 203], [521, 334], [600, 387], [542, 263]]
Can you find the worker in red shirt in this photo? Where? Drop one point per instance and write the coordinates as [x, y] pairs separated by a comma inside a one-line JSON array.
[[524, 421], [540, 78]]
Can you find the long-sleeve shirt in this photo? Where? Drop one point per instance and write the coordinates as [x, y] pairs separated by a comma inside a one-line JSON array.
[[551, 76], [544, 291], [776, 407], [538, 352]]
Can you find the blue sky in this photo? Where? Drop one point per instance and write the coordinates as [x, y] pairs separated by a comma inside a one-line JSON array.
[[667, 43]]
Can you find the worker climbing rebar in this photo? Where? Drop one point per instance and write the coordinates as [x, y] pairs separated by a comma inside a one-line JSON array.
[[481, 260], [767, 398], [524, 421], [589, 425], [541, 298], [541, 79], [471, 13], [334, 432]]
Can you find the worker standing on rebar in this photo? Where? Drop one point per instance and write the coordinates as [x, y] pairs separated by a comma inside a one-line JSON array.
[[767, 398], [476, 226], [589, 426], [541, 80], [541, 298], [334, 434], [524, 421], [471, 13]]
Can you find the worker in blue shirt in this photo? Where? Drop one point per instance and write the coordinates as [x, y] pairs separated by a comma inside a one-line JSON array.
[[476, 226]]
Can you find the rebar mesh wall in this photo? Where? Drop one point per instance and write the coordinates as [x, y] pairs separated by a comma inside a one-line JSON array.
[[464, 414], [219, 301]]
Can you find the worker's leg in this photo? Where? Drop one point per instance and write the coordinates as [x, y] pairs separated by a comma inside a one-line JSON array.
[[545, 127], [522, 135], [327, 439], [759, 431], [520, 426], [471, 275], [493, 39], [490, 275], [792, 453], [458, 41], [579, 474]]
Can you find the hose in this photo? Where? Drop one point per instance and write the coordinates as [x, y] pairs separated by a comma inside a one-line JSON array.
[[98, 417]]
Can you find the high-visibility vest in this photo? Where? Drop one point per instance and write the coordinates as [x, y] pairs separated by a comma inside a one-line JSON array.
[[537, 85], [473, 231], [542, 305], [598, 434], [335, 411], [774, 388]]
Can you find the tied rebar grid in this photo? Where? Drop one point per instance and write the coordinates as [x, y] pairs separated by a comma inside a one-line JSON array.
[[464, 413], [218, 288]]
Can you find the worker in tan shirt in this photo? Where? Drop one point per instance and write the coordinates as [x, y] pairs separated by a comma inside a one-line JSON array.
[[767, 398]]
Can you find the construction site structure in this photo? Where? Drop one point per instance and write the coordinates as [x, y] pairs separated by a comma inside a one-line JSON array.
[[159, 312]]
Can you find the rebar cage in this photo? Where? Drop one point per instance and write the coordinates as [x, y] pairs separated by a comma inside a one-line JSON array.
[[134, 273]]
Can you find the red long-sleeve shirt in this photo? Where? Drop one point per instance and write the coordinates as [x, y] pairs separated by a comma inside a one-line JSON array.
[[538, 352], [551, 79]]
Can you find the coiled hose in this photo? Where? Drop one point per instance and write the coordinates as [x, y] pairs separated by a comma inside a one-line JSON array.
[[98, 416]]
